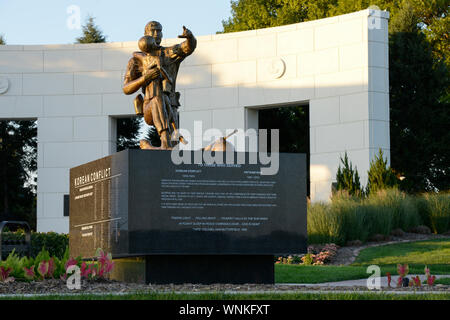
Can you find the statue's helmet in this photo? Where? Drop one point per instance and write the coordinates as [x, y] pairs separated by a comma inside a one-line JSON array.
[[152, 25]]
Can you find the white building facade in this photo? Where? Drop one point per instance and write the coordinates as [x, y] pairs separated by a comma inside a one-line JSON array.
[[337, 66]]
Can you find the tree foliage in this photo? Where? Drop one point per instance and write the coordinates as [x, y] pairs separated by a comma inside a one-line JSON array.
[[18, 143], [153, 136], [419, 113], [293, 125], [127, 133], [432, 15], [347, 178], [91, 32], [380, 175], [2, 39]]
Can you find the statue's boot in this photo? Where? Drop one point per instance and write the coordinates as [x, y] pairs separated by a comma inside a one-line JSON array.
[[147, 145]]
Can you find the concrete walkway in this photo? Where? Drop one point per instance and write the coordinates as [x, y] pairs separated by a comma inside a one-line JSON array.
[[363, 282]]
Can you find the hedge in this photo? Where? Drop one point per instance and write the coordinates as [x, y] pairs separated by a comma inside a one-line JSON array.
[[54, 243]]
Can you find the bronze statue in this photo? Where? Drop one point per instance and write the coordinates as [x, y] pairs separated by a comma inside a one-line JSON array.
[[154, 69]]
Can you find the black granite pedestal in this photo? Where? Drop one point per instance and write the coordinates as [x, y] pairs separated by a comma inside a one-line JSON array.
[[197, 222], [201, 269]]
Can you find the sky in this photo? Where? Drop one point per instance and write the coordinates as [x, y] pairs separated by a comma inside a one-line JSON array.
[[55, 21]]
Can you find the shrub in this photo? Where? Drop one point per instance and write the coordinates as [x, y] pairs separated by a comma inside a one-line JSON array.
[[437, 210], [380, 175], [347, 178], [308, 259], [55, 243], [323, 224], [349, 218], [394, 209]]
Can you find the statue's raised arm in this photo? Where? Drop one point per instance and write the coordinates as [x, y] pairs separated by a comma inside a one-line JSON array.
[[189, 45]]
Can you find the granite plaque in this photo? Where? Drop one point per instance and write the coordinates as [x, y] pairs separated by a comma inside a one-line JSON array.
[[139, 203]]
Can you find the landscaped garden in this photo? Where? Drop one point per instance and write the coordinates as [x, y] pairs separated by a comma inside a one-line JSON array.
[[435, 254]]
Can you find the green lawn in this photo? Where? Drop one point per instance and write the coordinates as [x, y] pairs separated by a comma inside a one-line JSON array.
[[320, 274], [445, 281], [418, 252], [434, 253], [317, 274]]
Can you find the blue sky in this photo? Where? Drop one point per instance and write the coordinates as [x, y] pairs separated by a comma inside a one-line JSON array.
[[45, 21]]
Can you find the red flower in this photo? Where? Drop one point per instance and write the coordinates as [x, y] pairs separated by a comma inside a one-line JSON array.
[[389, 278], [84, 270], [417, 281], [71, 262], [402, 270], [430, 280]]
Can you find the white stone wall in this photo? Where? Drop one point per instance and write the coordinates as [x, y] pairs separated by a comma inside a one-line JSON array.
[[338, 65]]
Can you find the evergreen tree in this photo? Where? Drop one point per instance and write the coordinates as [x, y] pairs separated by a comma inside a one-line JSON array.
[[2, 40], [380, 175], [347, 178], [153, 136], [91, 33], [127, 133], [18, 144]]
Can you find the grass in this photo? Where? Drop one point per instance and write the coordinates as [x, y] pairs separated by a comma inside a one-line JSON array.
[[428, 252], [321, 274], [433, 253], [257, 296], [445, 281], [317, 274], [348, 218]]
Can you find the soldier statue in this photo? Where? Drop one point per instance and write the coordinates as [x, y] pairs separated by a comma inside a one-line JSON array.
[[154, 69]]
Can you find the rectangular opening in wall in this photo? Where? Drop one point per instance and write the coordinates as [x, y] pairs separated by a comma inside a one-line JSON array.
[[18, 166], [293, 123], [66, 205]]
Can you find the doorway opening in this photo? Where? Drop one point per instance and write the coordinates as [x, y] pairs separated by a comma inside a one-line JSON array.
[[293, 123], [18, 171]]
